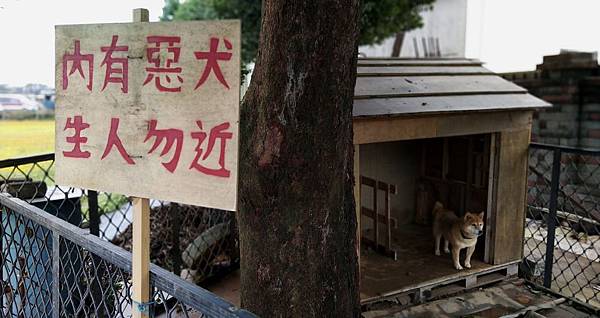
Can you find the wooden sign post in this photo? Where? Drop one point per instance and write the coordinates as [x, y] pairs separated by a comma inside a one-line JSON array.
[[140, 275], [140, 247], [149, 110]]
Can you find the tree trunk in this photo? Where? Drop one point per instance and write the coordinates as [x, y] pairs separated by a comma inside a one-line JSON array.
[[398, 41], [296, 210]]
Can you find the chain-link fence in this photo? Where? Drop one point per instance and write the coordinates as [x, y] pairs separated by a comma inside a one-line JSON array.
[[51, 268], [562, 230], [198, 244]]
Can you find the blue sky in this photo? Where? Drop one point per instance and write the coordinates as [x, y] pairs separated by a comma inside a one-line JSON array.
[[509, 35]]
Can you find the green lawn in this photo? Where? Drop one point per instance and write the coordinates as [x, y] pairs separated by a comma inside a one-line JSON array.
[[22, 138]]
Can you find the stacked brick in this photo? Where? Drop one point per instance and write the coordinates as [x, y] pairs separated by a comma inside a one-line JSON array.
[[571, 82]]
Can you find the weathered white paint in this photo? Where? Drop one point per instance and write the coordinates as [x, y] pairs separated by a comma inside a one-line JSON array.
[[212, 103], [447, 21]]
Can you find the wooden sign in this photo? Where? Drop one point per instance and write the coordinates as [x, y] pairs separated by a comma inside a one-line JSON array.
[[150, 110]]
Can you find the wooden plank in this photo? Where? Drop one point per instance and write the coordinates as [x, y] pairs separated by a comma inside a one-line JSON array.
[[390, 107], [506, 270], [376, 219], [511, 192], [141, 258], [123, 126], [406, 86], [403, 58], [419, 127], [382, 218], [418, 62], [357, 203], [388, 216], [467, 197], [421, 70], [492, 199]]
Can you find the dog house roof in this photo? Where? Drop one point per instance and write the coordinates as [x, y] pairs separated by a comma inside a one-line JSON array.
[[400, 86]]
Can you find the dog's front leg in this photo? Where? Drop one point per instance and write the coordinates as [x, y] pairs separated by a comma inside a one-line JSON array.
[[437, 244], [470, 251], [456, 257]]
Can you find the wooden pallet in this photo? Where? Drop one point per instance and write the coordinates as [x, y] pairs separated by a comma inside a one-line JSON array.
[[452, 284]]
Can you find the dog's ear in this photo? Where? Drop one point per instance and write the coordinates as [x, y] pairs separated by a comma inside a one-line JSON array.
[[468, 216], [480, 215]]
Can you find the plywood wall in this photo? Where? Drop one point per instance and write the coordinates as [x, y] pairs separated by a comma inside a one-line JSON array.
[[396, 163]]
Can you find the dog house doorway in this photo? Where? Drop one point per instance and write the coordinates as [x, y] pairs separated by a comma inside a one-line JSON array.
[[402, 180]]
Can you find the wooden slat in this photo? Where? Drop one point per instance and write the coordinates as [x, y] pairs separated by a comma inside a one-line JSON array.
[[376, 220], [384, 107], [511, 189], [369, 213], [357, 201], [419, 127], [403, 58], [418, 62], [421, 70], [367, 181], [140, 273], [388, 216], [393, 86]]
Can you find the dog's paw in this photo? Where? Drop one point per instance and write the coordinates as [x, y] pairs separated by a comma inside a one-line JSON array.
[[467, 265], [437, 253], [458, 267], [447, 251]]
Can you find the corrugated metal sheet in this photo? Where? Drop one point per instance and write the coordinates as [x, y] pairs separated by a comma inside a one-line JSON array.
[[394, 87]]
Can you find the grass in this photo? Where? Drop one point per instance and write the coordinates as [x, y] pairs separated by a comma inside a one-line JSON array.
[[22, 138]]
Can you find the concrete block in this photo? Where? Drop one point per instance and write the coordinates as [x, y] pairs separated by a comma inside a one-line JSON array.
[[591, 108], [590, 124], [590, 143]]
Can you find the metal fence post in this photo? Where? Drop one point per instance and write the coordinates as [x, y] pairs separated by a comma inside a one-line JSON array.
[[55, 274], [552, 220], [1, 261], [93, 212]]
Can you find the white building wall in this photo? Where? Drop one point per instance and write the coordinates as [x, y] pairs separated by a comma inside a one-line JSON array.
[[446, 22]]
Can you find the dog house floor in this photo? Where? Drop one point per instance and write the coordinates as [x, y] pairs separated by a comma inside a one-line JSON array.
[[417, 264]]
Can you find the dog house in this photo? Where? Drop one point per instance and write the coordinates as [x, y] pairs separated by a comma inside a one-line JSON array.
[[429, 130]]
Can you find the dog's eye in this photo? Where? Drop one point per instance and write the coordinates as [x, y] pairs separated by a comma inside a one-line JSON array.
[[474, 224]]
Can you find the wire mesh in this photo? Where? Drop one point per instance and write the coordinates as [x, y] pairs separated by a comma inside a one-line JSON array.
[[197, 243], [26, 267], [562, 234], [51, 268]]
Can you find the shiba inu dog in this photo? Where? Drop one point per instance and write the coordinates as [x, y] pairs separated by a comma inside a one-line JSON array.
[[458, 232]]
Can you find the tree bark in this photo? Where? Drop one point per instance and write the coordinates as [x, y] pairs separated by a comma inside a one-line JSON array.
[[296, 208], [398, 41]]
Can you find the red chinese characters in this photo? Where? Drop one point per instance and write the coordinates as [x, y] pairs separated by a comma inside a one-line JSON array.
[[164, 74], [212, 58], [78, 125], [76, 60], [116, 67], [163, 54], [216, 133], [207, 159], [113, 140], [172, 136]]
